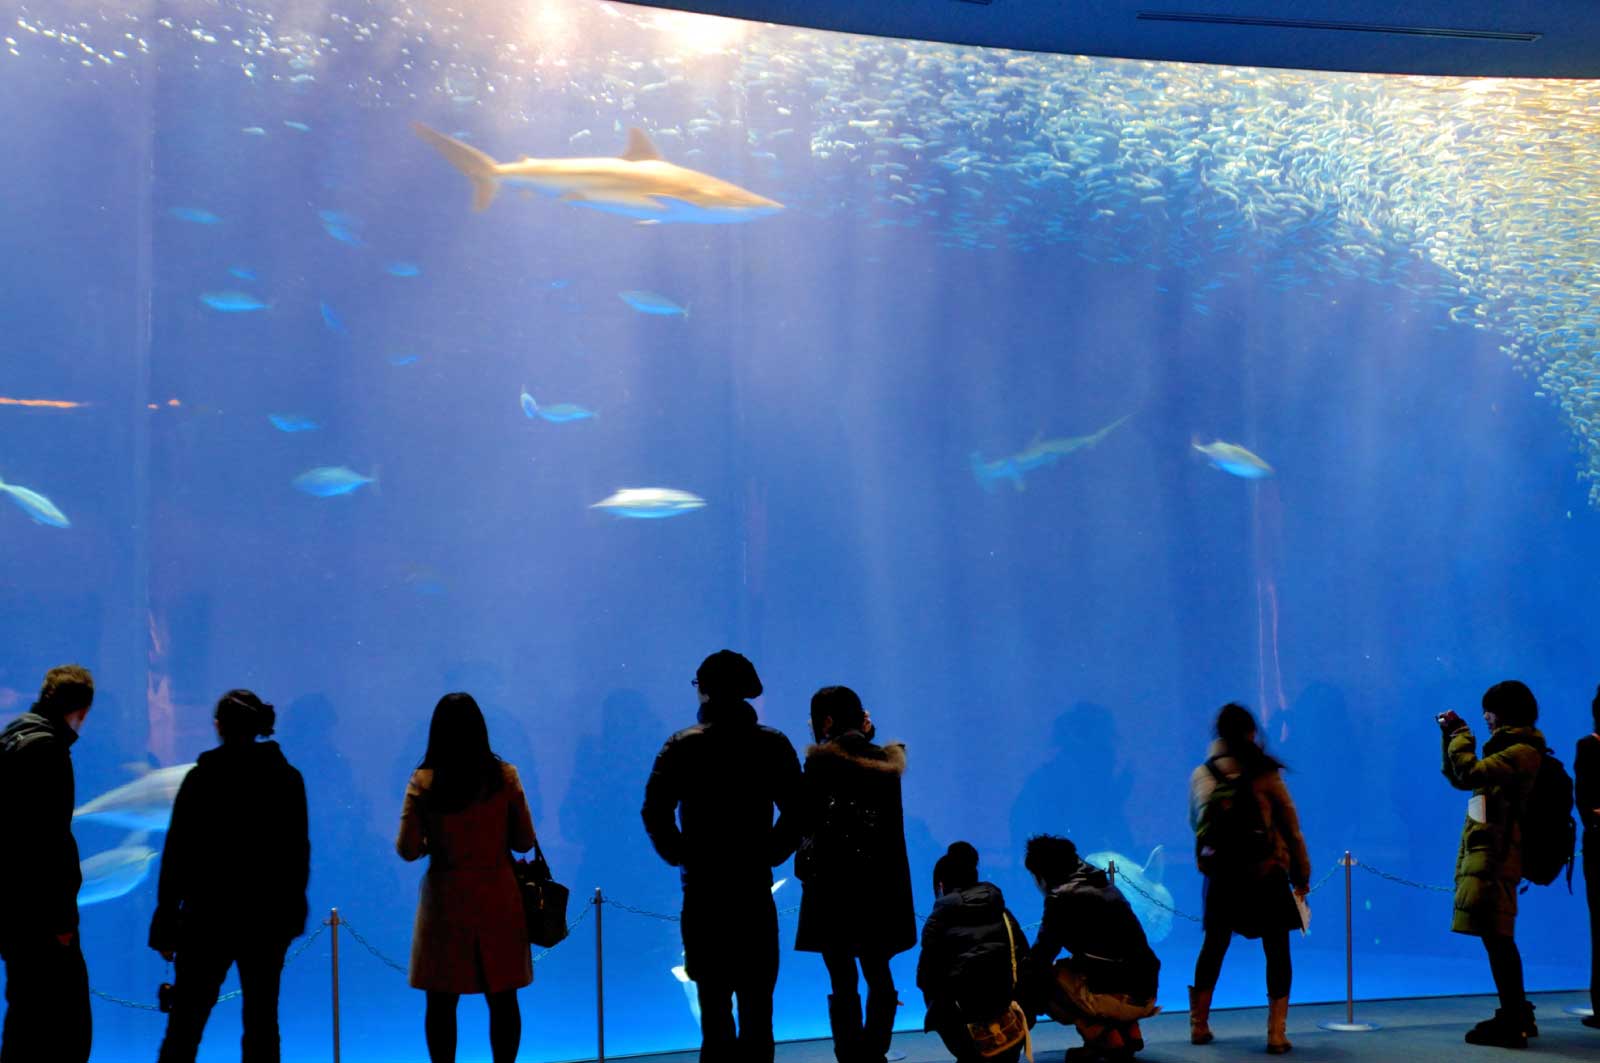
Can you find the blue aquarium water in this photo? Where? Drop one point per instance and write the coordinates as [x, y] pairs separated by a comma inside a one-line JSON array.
[[1050, 402]]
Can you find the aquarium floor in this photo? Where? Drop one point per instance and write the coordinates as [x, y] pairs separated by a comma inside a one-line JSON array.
[[1417, 1031]]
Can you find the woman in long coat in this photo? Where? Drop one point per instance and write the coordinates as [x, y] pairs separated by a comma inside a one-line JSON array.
[[465, 810], [856, 906], [1250, 891], [1489, 860]]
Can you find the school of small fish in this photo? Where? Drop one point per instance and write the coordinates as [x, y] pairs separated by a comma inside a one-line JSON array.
[[1473, 198]]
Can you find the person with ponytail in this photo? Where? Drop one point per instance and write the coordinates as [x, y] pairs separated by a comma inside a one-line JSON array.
[[1249, 847], [233, 880], [972, 947], [856, 907], [465, 810]]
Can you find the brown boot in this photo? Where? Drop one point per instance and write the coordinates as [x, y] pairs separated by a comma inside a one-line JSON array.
[[1200, 1016], [1277, 1019]]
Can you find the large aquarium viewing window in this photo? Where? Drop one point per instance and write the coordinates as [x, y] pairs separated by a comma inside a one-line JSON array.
[[1049, 402]]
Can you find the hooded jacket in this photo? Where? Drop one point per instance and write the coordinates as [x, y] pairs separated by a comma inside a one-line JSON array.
[[852, 857], [969, 965], [238, 853], [1091, 919], [708, 805], [1489, 859], [39, 888]]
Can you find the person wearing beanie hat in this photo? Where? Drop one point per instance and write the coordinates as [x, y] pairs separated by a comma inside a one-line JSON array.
[[972, 947], [709, 811]]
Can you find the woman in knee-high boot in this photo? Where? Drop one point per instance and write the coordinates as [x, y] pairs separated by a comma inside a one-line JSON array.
[[856, 907], [1248, 845]]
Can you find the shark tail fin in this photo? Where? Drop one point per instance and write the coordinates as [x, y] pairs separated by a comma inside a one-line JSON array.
[[479, 168]]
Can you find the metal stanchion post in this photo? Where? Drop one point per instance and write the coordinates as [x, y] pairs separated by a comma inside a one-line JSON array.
[[1349, 1025], [1111, 870], [599, 975], [333, 922]]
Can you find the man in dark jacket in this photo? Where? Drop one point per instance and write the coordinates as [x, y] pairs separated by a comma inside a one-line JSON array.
[[47, 984], [1109, 983], [708, 809], [1586, 785]]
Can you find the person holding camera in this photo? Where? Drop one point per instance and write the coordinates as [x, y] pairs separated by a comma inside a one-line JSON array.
[[233, 881], [47, 983], [1586, 791], [1489, 860]]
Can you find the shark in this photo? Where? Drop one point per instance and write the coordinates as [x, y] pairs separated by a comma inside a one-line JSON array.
[[145, 804], [637, 184], [1233, 459], [116, 872], [1040, 453], [1150, 900]]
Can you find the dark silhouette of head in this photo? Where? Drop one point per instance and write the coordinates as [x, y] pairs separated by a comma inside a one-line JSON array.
[[1512, 703], [728, 676], [67, 690], [1236, 727], [464, 765], [1050, 859], [243, 717], [956, 870], [835, 710]]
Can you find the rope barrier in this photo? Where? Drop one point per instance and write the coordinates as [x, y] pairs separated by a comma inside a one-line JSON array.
[[136, 1005]]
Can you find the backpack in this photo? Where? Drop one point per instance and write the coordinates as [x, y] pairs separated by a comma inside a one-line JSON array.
[[1549, 836], [1231, 837]]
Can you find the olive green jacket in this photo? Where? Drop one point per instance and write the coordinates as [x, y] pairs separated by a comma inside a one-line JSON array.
[[1489, 861]]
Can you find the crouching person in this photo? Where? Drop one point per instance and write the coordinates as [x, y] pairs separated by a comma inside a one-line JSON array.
[[1108, 983], [972, 951]]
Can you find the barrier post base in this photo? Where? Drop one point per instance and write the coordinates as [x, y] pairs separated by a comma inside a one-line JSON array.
[[1348, 1027]]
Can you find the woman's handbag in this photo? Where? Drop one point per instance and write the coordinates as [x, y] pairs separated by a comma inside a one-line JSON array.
[[544, 900], [1002, 1034]]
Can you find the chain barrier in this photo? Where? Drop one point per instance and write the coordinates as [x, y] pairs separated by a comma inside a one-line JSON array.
[[1124, 881], [1403, 881], [136, 1005], [539, 956], [370, 947]]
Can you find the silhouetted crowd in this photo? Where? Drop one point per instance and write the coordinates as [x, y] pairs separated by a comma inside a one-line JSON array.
[[728, 800]]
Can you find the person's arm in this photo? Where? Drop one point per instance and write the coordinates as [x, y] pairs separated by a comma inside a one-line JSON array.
[[789, 797], [1466, 771], [413, 841], [173, 880], [1286, 820], [660, 812], [522, 835], [1200, 786]]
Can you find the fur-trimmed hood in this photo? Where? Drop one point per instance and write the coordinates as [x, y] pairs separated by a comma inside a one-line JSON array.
[[854, 748]]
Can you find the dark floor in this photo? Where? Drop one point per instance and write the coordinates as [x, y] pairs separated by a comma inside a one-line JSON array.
[[1416, 1031]]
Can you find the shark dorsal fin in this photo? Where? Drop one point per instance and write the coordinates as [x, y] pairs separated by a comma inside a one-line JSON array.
[[1155, 867], [640, 147]]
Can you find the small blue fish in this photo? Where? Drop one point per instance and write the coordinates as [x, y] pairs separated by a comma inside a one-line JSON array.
[[332, 320], [232, 302], [289, 422], [561, 413], [342, 227], [404, 269], [242, 273], [404, 359], [195, 215], [253, 131], [1234, 460], [298, 127], [39, 508], [651, 303], [326, 481], [556, 285]]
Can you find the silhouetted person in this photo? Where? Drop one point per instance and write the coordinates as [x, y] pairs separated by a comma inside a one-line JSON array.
[[1489, 861], [1249, 847], [47, 984], [1586, 791], [465, 810], [233, 880], [856, 906], [973, 949], [1109, 982], [708, 809]]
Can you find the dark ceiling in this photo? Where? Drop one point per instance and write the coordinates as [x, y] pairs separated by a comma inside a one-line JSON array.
[[1515, 38]]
